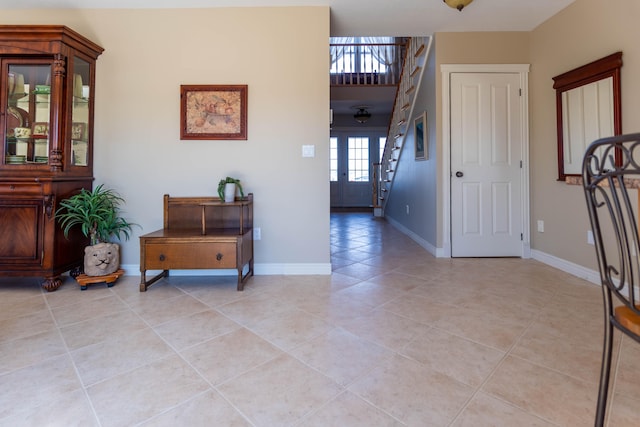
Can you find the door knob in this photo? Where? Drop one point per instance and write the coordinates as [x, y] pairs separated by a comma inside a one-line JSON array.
[[459, 174]]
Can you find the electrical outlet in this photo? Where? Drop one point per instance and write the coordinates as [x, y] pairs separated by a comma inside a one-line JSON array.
[[590, 237], [540, 226], [257, 233], [407, 209]]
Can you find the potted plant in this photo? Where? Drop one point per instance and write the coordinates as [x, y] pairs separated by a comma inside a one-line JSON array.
[[97, 213], [227, 189]]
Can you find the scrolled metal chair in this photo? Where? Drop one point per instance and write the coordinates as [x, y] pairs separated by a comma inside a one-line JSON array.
[[610, 169]]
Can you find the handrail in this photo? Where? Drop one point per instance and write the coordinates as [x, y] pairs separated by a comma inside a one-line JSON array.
[[411, 74]]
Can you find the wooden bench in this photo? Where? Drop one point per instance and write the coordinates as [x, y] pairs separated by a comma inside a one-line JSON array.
[[200, 233]]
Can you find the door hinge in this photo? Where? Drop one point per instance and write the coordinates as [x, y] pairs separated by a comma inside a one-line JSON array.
[[520, 91], [520, 164], [521, 237]]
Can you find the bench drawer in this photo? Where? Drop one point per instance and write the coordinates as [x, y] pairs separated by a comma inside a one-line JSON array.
[[170, 256]]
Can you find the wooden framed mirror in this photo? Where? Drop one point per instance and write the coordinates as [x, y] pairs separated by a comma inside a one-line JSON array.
[[588, 107]]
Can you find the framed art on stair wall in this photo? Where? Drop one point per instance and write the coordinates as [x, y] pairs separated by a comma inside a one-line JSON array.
[[420, 137]]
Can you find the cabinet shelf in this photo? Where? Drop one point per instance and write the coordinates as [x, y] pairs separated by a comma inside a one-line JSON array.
[[35, 138], [38, 171]]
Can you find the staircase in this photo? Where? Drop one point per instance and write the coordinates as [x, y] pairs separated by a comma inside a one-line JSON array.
[[414, 63]]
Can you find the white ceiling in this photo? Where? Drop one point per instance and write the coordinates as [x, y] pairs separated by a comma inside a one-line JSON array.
[[362, 17]]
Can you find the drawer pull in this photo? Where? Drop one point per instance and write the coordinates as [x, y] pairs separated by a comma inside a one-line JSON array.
[[162, 257], [219, 256]]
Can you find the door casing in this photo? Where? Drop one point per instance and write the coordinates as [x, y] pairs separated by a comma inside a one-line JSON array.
[[446, 70]]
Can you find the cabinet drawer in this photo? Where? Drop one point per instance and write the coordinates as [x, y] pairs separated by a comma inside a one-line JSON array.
[[22, 189], [169, 256]]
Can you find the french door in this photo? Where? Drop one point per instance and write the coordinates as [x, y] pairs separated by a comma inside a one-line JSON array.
[[351, 168]]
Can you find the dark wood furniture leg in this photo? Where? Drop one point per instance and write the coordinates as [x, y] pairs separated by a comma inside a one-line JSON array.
[[144, 284]]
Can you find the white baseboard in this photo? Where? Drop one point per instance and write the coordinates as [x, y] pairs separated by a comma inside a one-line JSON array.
[[577, 270], [307, 269], [293, 269], [258, 269], [419, 240], [569, 267]]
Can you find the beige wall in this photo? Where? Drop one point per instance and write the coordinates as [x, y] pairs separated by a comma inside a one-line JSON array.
[[473, 48], [583, 32], [280, 53], [413, 203], [418, 185], [483, 48], [149, 53]]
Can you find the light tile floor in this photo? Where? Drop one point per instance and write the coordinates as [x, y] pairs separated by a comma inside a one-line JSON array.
[[393, 337]]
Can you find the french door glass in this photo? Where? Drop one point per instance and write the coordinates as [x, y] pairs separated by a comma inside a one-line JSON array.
[[350, 163], [27, 113]]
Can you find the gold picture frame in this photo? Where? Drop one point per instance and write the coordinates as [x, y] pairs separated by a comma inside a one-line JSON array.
[[213, 112], [40, 129]]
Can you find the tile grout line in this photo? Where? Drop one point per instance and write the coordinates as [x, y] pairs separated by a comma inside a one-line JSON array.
[[85, 391], [495, 369]]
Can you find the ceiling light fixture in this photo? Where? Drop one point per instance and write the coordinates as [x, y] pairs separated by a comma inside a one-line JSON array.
[[362, 115], [458, 4]]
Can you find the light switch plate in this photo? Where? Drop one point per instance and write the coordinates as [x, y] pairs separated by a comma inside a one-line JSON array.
[[308, 151]]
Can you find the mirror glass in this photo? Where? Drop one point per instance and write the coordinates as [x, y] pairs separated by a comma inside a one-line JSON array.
[[588, 108]]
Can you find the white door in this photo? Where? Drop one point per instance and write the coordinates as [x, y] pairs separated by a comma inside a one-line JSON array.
[[486, 165], [351, 164]]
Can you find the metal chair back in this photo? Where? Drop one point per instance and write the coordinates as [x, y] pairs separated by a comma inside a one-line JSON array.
[[611, 179]]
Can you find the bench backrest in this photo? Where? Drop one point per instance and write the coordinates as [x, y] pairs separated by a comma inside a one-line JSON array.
[[186, 212]]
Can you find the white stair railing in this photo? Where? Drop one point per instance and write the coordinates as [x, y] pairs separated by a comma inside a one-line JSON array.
[[414, 64]]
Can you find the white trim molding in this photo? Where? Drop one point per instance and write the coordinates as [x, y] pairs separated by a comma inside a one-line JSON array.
[[446, 71], [567, 266], [413, 236], [301, 269]]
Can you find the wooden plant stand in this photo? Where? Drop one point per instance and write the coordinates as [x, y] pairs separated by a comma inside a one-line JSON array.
[[109, 279], [200, 233]]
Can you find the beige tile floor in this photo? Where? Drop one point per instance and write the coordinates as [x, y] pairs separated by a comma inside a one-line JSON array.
[[393, 337]]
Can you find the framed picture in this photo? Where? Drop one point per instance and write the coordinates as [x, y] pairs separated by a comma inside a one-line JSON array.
[[213, 112], [77, 131], [421, 143], [40, 128]]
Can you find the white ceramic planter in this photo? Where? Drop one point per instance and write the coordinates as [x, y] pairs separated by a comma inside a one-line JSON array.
[[229, 192]]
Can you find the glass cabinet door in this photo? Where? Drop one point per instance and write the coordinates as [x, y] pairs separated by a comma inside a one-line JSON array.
[[80, 112], [28, 92]]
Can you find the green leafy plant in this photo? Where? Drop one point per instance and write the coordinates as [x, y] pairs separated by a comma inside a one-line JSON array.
[[97, 212], [229, 180]]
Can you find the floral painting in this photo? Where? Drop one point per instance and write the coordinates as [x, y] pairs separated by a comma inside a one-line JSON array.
[[213, 112]]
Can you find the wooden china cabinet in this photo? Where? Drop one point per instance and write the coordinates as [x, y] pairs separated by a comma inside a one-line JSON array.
[[47, 81]]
